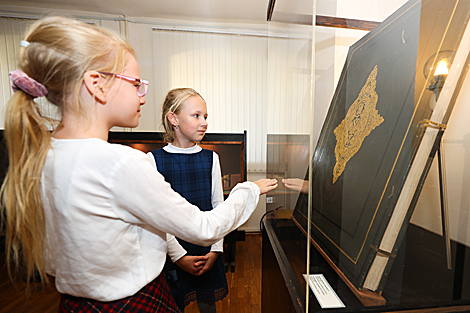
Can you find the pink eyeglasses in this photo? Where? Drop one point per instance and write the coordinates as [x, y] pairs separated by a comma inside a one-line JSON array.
[[141, 87]]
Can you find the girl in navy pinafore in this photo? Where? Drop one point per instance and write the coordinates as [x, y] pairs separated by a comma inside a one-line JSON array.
[[195, 174], [190, 175]]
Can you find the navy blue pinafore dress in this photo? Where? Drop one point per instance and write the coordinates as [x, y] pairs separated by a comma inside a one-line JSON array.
[[191, 176]]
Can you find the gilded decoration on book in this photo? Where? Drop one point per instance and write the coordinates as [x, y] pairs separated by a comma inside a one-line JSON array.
[[362, 118]]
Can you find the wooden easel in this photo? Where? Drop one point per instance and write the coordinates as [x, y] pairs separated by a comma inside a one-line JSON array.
[[439, 116], [439, 148]]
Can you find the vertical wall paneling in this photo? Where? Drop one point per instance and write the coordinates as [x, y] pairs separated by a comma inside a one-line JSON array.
[[227, 70], [12, 31], [254, 83], [289, 96], [140, 37], [5, 90]]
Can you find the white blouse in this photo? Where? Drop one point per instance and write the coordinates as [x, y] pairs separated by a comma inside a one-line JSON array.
[[108, 211]]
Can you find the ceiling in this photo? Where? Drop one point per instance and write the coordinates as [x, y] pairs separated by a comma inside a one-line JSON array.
[[231, 11]]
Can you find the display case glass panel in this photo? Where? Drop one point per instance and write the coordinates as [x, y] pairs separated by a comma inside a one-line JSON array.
[[375, 148]]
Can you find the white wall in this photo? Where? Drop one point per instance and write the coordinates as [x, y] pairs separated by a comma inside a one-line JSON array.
[[229, 71], [10, 36]]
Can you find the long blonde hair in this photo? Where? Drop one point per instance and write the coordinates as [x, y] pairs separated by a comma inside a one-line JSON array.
[[60, 51], [172, 103]]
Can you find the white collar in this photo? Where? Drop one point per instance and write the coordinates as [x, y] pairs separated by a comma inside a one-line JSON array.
[[173, 149]]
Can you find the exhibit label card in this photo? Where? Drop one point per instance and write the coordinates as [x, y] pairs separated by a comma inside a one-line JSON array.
[[325, 295]]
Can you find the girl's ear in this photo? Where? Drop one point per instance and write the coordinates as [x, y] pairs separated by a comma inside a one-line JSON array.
[[173, 118], [94, 83]]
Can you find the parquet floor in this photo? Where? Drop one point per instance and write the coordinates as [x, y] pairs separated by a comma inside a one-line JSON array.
[[244, 286]]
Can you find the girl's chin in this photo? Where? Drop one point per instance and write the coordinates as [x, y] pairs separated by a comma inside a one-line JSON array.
[[129, 125]]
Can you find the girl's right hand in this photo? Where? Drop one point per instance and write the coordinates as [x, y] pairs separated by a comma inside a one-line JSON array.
[[266, 185]]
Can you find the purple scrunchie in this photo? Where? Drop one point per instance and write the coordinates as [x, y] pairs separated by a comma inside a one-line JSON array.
[[27, 84]]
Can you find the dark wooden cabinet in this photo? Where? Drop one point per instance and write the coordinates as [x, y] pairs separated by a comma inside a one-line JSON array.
[[231, 148]]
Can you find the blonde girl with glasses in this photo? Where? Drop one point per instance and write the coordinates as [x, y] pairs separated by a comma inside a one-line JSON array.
[[94, 215]]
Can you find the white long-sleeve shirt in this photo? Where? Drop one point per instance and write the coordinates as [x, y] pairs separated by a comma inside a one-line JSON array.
[[108, 212], [175, 250]]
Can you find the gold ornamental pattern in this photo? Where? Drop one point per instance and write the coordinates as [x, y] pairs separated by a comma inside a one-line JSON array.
[[362, 118]]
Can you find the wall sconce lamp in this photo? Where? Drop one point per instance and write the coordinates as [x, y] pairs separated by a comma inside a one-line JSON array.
[[438, 66]]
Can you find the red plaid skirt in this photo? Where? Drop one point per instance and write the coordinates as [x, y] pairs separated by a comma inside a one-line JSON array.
[[155, 297]]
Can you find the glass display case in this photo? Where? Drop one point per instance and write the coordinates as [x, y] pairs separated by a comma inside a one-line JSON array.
[[348, 217]]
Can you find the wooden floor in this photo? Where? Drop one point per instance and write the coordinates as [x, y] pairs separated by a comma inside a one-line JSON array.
[[244, 286]]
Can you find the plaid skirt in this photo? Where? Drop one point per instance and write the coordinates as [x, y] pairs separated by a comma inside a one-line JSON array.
[[155, 297]]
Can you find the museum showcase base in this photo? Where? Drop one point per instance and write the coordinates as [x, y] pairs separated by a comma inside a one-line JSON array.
[[418, 281]]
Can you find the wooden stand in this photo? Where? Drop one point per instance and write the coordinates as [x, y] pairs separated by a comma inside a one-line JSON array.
[[443, 198], [367, 297]]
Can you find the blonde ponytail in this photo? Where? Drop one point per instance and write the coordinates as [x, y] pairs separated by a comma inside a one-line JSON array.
[[28, 141]]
